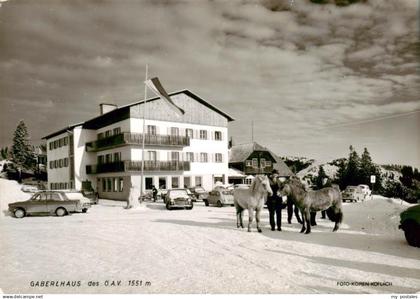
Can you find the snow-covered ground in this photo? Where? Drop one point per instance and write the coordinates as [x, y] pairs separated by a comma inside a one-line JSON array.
[[202, 251]]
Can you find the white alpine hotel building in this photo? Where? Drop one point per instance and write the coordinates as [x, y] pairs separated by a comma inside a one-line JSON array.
[[106, 152]]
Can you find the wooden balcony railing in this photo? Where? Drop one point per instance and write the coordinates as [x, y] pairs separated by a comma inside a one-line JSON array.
[[137, 139], [135, 166]]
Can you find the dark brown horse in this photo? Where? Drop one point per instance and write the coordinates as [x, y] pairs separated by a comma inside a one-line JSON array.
[[312, 201]]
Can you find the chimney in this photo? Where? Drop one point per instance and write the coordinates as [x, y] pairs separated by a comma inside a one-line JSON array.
[[105, 108]]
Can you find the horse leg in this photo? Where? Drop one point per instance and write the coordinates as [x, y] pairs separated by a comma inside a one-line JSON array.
[[313, 218], [237, 216], [308, 221], [257, 218], [302, 211], [240, 219], [297, 214], [339, 218], [250, 219]]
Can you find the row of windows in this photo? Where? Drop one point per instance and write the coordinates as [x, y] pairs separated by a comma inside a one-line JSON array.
[[112, 184], [59, 143], [254, 163], [109, 158], [60, 186], [175, 182], [116, 184], [172, 156], [59, 163], [109, 133], [173, 131]]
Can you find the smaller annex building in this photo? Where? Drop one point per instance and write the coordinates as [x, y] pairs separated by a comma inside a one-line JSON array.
[[252, 158]]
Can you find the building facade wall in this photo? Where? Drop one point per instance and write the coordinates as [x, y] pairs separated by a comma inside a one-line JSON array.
[[58, 168], [82, 157]]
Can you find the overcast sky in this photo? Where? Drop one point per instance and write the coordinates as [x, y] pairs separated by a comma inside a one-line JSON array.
[[314, 78]]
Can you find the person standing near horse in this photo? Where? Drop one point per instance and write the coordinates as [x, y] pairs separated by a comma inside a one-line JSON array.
[[291, 207], [274, 202]]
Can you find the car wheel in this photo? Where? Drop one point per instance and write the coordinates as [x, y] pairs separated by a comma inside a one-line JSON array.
[[412, 235], [19, 213], [168, 207], [206, 202], [219, 204], [60, 212], [84, 210]]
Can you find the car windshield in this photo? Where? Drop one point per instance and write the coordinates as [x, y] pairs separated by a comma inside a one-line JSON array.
[[178, 193], [200, 189]]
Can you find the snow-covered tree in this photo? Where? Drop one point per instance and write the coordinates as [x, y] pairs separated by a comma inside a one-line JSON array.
[[22, 153]]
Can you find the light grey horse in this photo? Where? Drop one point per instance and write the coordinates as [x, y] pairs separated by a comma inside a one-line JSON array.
[[252, 199], [328, 198]]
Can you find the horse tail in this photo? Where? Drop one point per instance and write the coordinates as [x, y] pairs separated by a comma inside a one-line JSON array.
[[340, 216], [335, 214]]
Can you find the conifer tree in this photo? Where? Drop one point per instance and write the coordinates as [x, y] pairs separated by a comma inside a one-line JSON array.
[[319, 179], [22, 152], [352, 174]]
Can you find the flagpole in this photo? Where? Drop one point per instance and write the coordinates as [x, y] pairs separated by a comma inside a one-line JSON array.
[[143, 134]]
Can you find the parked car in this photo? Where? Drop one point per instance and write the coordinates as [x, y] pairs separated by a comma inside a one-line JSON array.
[[92, 195], [410, 224], [199, 192], [29, 188], [219, 196], [57, 203], [352, 193], [365, 190], [178, 198]]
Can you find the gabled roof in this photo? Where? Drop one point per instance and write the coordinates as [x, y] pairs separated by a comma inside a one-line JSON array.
[[190, 94], [281, 167], [123, 112], [240, 152], [68, 128]]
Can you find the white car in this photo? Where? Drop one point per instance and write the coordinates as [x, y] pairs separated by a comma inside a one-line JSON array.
[[352, 193], [29, 188], [365, 190]]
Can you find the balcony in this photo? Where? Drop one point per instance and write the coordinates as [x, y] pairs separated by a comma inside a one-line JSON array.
[[137, 139], [135, 166]]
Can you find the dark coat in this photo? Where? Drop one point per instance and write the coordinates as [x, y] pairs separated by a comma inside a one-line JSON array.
[[274, 201]]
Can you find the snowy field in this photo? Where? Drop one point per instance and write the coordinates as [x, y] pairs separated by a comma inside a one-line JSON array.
[[152, 250]]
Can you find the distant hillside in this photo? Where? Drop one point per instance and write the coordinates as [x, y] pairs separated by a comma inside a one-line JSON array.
[[307, 174], [389, 173], [297, 164]]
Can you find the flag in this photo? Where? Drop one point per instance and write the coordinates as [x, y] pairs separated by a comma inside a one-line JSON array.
[[155, 85]]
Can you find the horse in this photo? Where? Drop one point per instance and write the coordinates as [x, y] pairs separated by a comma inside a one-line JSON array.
[[252, 199], [328, 198]]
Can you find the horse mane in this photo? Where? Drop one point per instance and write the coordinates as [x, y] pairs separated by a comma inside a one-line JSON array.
[[254, 185], [297, 186]]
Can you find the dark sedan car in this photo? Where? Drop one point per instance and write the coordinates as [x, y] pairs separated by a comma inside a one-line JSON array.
[[410, 224], [57, 203], [178, 198], [199, 192]]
